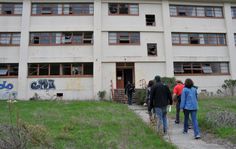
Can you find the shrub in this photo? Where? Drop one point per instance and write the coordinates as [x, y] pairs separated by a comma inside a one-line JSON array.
[[229, 86], [170, 82], [140, 96], [221, 119], [102, 94]]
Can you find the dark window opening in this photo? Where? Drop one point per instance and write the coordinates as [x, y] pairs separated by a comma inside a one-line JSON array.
[[194, 40], [113, 8], [66, 69], [54, 69], [124, 9], [35, 40], [150, 20], [88, 68], [43, 69], [152, 49], [8, 70]]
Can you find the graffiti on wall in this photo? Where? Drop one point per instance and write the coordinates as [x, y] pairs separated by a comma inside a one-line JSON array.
[[6, 85], [9, 95], [43, 84]]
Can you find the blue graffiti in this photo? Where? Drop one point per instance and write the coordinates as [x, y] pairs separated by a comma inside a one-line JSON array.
[[43, 84], [4, 85]]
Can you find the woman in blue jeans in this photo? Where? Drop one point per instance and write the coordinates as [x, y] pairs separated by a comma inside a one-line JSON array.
[[189, 104]]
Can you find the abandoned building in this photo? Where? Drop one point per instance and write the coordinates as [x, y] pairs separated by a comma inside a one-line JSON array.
[[75, 48]]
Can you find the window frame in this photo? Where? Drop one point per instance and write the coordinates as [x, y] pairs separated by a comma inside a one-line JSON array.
[[61, 72], [118, 9], [9, 66], [197, 10], [53, 36], [118, 34], [233, 11], [13, 7], [187, 68], [206, 38], [63, 7], [151, 44], [11, 38]]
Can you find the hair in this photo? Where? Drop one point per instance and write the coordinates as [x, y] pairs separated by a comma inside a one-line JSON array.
[[157, 78], [150, 83], [179, 81], [188, 83]]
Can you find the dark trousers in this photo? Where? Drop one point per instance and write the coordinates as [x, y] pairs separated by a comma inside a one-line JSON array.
[[130, 99], [177, 109]]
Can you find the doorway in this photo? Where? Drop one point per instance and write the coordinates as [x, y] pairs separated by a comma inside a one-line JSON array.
[[124, 73]]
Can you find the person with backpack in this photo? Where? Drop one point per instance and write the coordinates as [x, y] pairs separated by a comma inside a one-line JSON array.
[[189, 104]]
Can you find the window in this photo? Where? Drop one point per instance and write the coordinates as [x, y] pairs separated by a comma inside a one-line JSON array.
[[10, 9], [9, 39], [123, 9], [196, 11], [198, 39], [233, 11], [60, 69], [128, 38], [152, 49], [62, 9], [63, 38], [7, 70], [150, 20], [207, 68]]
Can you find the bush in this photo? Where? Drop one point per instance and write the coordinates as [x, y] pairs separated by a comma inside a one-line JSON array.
[[229, 86], [102, 94], [170, 82], [221, 119], [140, 96]]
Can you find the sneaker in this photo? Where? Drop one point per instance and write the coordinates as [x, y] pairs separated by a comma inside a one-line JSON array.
[[197, 137], [176, 122]]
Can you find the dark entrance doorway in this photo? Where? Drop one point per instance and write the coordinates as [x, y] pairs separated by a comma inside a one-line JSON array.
[[124, 73]]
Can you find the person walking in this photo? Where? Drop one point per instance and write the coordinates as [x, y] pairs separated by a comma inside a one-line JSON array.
[[177, 98], [148, 101], [129, 90], [189, 104], [161, 98]]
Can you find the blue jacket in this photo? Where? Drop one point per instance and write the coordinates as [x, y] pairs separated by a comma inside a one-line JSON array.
[[189, 99]]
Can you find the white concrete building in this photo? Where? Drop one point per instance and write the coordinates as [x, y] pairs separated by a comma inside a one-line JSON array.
[[76, 48]]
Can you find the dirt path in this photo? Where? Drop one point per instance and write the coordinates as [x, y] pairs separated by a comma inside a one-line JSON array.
[[175, 135]]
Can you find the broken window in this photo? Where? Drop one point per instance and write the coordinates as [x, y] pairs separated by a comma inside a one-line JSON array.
[[199, 11], [54, 69], [88, 38], [194, 39], [201, 68], [124, 38], [77, 69], [33, 69], [152, 49], [88, 68], [46, 10], [66, 69], [123, 9], [150, 20], [43, 69], [7, 9], [66, 38], [8, 69]]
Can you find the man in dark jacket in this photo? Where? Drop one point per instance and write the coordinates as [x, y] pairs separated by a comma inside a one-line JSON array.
[[129, 90], [161, 98]]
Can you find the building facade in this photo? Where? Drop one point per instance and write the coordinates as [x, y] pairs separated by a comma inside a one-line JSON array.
[[76, 48]]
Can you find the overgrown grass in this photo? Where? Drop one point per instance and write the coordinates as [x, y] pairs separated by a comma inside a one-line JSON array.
[[210, 106], [86, 125]]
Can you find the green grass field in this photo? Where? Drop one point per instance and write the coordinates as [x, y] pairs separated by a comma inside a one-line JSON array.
[[213, 105], [86, 125]]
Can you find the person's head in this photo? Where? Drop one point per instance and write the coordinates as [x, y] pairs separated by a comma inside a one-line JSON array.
[[188, 83], [157, 78], [179, 82], [150, 83]]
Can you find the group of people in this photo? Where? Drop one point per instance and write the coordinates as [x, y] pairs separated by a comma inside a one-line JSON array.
[[185, 98]]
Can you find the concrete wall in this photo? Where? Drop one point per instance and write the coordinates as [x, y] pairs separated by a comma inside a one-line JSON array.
[[10, 23], [147, 71], [8, 88], [72, 88], [9, 54]]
